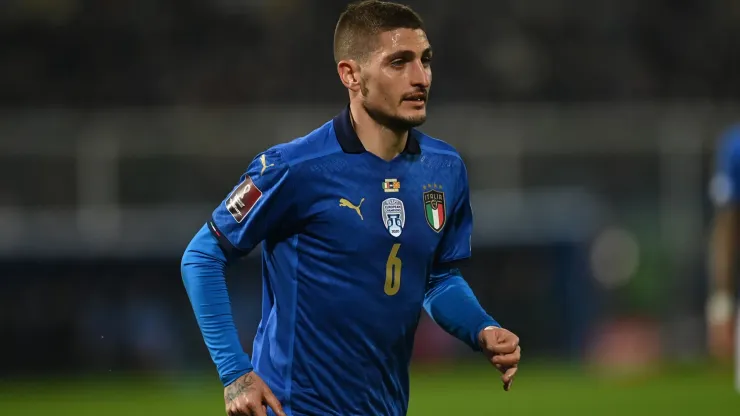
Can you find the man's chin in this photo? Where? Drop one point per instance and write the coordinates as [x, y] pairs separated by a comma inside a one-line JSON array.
[[414, 116], [415, 121], [405, 123], [411, 119], [399, 122]]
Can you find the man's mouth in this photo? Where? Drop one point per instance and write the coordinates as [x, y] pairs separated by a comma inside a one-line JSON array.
[[416, 98]]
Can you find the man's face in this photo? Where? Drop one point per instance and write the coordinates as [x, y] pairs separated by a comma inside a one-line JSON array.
[[396, 79]]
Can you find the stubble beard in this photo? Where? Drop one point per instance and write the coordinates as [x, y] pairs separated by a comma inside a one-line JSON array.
[[390, 121]]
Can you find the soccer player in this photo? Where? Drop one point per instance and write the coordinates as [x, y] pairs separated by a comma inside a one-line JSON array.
[[721, 305], [363, 222]]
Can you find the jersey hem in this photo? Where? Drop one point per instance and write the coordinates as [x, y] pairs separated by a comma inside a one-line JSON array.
[[453, 263]]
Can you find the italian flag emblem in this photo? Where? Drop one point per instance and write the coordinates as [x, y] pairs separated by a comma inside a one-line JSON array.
[[434, 208]]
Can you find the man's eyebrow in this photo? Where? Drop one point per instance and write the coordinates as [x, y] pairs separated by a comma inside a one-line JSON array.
[[401, 54], [408, 54]]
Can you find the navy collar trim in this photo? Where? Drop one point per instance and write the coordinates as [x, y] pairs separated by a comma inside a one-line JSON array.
[[350, 143]]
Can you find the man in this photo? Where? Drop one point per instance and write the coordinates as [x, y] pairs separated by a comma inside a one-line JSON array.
[[721, 305], [363, 222]]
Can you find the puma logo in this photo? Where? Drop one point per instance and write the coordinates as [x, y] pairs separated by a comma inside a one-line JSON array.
[[345, 203], [263, 159]]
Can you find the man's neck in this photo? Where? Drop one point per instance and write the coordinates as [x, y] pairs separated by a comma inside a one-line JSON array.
[[377, 139]]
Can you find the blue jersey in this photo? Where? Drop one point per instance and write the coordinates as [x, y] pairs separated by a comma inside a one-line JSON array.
[[349, 242], [725, 185]]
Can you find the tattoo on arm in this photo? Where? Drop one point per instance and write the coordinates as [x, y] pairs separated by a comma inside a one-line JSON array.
[[240, 386]]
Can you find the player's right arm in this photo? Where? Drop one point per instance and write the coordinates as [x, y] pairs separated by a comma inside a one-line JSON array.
[[255, 209], [725, 192]]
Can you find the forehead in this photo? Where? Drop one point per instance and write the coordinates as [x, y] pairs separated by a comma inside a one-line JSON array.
[[414, 40]]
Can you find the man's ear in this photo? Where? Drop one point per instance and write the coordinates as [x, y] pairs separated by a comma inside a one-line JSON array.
[[349, 74]]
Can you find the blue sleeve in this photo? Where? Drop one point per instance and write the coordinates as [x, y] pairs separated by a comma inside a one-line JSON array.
[[256, 209], [259, 207], [725, 186], [450, 302], [203, 271], [455, 243]]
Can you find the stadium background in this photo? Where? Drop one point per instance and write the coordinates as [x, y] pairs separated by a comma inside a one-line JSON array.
[[588, 129]]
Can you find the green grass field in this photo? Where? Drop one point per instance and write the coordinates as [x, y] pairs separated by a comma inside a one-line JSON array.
[[538, 390]]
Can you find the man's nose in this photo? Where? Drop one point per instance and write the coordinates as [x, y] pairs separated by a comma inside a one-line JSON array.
[[421, 75]]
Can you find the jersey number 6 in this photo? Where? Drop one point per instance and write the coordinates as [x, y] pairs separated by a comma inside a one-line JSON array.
[[393, 272]]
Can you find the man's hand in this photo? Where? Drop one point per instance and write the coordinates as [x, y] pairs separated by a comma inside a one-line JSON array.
[[720, 325], [250, 396], [501, 347], [721, 340]]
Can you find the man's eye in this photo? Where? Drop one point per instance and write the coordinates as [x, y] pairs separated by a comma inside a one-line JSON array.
[[397, 62]]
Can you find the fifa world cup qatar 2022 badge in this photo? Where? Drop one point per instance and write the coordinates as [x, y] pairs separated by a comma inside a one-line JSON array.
[[394, 216], [243, 199], [434, 206]]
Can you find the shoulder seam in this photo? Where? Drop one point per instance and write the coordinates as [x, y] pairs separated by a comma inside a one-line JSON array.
[[294, 162], [445, 152], [439, 146], [300, 160]]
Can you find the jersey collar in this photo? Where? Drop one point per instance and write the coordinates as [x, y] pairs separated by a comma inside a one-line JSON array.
[[350, 143]]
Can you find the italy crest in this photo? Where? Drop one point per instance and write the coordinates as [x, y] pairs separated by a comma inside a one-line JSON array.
[[434, 209]]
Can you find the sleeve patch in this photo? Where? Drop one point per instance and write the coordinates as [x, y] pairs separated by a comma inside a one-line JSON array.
[[243, 199]]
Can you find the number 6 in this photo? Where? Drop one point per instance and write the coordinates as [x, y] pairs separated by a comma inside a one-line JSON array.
[[393, 272]]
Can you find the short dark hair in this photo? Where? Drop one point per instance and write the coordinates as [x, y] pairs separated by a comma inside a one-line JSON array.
[[356, 33]]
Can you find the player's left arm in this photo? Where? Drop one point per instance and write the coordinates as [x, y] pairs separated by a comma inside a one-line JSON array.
[[723, 243], [450, 301]]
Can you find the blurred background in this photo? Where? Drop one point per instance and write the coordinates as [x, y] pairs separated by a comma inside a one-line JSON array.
[[588, 128]]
